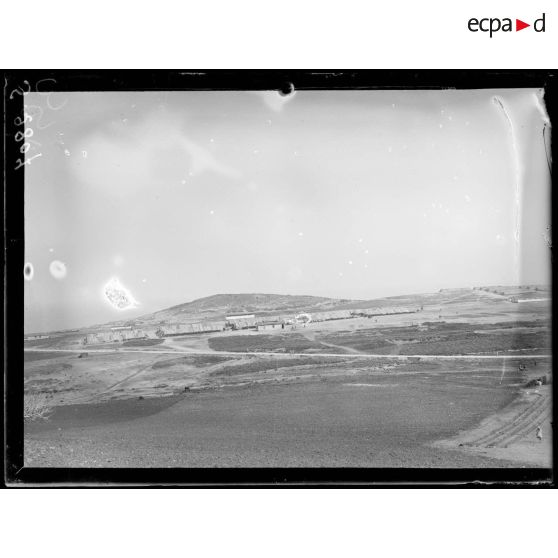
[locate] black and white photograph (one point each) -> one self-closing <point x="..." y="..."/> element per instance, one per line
<point x="288" y="278"/>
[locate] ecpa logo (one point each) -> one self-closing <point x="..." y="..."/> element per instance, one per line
<point x="494" y="24"/>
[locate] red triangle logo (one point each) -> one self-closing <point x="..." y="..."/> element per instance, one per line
<point x="519" y="25"/>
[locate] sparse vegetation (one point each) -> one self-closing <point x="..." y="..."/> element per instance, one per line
<point x="36" y="406"/>
<point x="31" y="357"/>
<point x="444" y="338"/>
<point x="290" y="342"/>
<point x="262" y="365"/>
<point x="142" y="342"/>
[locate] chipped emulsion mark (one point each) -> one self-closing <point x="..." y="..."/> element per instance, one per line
<point x="58" y="269"/>
<point x="28" y="271"/>
<point x="118" y="296"/>
<point x="276" y="100"/>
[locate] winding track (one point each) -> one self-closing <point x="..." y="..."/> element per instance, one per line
<point x="522" y="424"/>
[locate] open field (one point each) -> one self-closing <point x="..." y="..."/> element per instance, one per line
<point x="287" y="342"/>
<point x="438" y="338"/>
<point x="393" y="390"/>
<point x="376" y="412"/>
<point x="341" y="422"/>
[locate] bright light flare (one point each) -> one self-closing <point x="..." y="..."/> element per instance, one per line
<point x="118" y="296"/>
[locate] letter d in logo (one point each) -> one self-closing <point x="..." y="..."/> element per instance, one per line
<point x="539" y="24"/>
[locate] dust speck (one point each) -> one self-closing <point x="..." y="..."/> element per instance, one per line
<point x="58" y="269"/>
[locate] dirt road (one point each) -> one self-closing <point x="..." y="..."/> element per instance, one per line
<point x="333" y="355"/>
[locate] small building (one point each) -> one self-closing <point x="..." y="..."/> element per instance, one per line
<point x="180" y="329"/>
<point x="245" y="321"/>
<point x="265" y="326"/>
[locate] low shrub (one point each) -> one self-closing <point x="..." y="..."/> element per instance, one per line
<point x="36" y="406"/>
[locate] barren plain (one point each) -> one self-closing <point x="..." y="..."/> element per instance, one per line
<point x="462" y="380"/>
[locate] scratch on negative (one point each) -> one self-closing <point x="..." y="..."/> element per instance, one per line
<point x="498" y="102"/>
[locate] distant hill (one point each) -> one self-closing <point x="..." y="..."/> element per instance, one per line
<point x="217" y="307"/>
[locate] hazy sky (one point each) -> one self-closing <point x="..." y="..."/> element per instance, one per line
<point x="354" y="194"/>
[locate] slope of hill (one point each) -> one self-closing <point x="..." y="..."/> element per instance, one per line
<point x="216" y="307"/>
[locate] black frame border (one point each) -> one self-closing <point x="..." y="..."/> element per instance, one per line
<point x="15" y="475"/>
